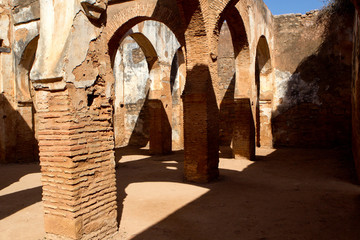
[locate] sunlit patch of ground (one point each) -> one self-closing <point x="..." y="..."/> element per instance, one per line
<point x="21" y="209"/>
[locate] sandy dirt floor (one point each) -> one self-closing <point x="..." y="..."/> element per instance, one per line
<point x="286" y="194"/>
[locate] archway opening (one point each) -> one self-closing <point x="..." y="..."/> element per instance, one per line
<point x="177" y="84"/>
<point x="226" y="86"/>
<point x="264" y="95"/>
<point x="27" y="149"/>
<point x="243" y="126"/>
<point x="147" y="89"/>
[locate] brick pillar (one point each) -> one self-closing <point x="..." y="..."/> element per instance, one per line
<point x="201" y="139"/>
<point x="243" y="143"/>
<point x="160" y="128"/>
<point x="77" y="164"/>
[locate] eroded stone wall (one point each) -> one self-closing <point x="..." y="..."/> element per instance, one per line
<point x="312" y="92"/>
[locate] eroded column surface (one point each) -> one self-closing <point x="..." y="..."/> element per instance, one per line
<point x="76" y="140"/>
<point x="77" y="164"/>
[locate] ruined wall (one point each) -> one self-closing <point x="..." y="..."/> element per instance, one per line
<point x="131" y="118"/>
<point x="313" y="81"/>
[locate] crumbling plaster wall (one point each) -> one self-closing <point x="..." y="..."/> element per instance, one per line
<point x="17" y="141"/>
<point x="312" y="87"/>
<point x="74" y="97"/>
<point x="135" y="84"/>
<point x="131" y="126"/>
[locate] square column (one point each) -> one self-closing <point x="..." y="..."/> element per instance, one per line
<point x="160" y="128"/>
<point x="243" y="143"/>
<point x="76" y="147"/>
<point x="201" y="138"/>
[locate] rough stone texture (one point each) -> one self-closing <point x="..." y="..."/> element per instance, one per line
<point x="77" y="163"/>
<point x="24" y="11"/>
<point x="312" y="89"/>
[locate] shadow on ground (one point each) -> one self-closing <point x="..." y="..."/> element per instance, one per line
<point x="288" y="194"/>
<point x="15" y="201"/>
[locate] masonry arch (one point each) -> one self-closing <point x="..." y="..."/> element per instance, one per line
<point x="147" y="109"/>
<point x="264" y="98"/>
<point x="177" y="84"/>
<point x="121" y="20"/>
<point x="26" y="127"/>
<point x="240" y="108"/>
<point x="133" y="63"/>
<point x="226" y="84"/>
<point x="23" y="70"/>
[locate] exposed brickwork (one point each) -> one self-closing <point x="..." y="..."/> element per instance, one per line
<point x="160" y="128"/>
<point x="77" y="164"/>
<point x="243" y="143"/>
<point x="201" y="114"/>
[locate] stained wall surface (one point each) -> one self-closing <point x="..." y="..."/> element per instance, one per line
<point x="312" y="90"/>
<point x="17" y="122"/>
<point x="136" y="83"/>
